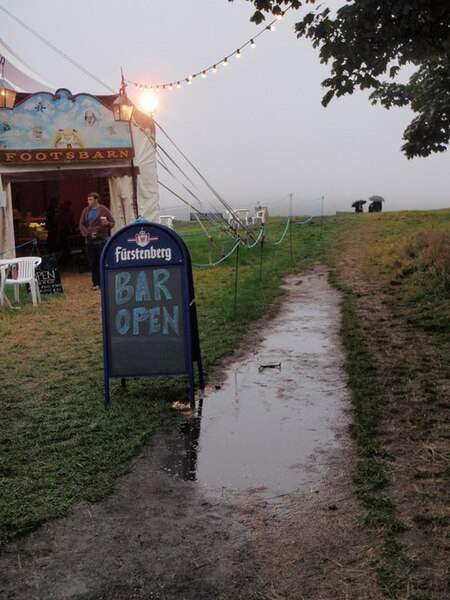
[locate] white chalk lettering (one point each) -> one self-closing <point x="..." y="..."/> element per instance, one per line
<point x="145" y="281"/>
<point x="142" y="320"/>
<point x="150" y="289"/>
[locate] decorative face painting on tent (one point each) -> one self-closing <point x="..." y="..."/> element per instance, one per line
<point x="65" y="122"/>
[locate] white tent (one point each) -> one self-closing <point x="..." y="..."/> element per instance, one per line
<point x="21" y="77"/>
<point x="132" y="177"/>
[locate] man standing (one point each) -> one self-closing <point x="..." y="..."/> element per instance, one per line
<point x="95" y="226"/>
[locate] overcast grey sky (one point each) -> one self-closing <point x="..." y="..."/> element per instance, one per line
<point x="256" y="129"/>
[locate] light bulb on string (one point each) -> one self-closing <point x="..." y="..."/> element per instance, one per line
<point x="213" y="68"/>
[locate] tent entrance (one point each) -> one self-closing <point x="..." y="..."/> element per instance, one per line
<point x="32" y="198"/>
<point x="32" y="192"/>
<point x="36" y="211"/>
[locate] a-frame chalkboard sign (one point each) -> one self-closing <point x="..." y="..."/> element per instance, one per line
<point x="148" y="306"/>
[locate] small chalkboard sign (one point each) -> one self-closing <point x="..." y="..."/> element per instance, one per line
<point x="148" y="305"/>
<point x="48" y="277"/>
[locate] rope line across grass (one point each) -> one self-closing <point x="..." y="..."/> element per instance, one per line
<point x="284" y="233"/>
<point x="258" y="239"/>
<point x="214" y="264"/>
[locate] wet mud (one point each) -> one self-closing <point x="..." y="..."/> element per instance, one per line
<point x="242" y="501"/>
<point x="278" y="410"/>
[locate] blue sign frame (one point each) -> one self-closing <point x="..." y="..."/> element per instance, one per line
<point x="149" y="315"/>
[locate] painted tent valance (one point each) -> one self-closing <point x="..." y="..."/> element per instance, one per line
<point x="61" y="128"/>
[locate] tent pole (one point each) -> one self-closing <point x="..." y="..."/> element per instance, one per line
<point x="134" y="183"/>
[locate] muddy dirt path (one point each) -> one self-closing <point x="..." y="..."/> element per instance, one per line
<point x="251" y="498"/>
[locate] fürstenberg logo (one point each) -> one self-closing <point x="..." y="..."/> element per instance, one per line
<point x="125" y="254"/>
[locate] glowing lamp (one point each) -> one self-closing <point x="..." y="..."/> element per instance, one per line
<point x="7" y="95"/>
<point x="122" y="107"/>
<point x="148" y="102"/>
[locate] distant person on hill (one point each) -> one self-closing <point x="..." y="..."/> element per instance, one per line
<point x="95" y="225"/>
<point x="375" y="206"/>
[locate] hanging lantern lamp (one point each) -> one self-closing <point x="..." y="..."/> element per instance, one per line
<point x="122" y="106"/>
<point x="7" y="94"/>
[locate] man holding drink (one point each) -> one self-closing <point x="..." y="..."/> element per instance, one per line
<point x="96" y="222"/>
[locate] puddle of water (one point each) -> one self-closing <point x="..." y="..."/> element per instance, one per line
<point x="277" y="412"/>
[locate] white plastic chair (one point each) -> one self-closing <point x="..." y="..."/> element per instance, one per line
<point x="166" y="220"/>
<point x="238" y="217"/>
<point x="23" y="270"/>
<point x="259" y="217"/>
<point x="3" y="297"/>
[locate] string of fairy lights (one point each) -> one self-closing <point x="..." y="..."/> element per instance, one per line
<point x="213" y="68"/>
<point x="178" y="83"/>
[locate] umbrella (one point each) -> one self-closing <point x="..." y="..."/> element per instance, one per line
<point x="358" y="203"/>
<point x="376" y="199"/>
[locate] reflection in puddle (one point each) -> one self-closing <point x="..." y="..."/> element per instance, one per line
<point x="278" y="411"/>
